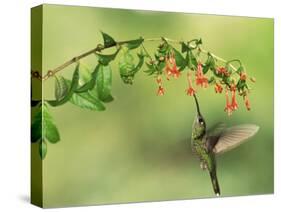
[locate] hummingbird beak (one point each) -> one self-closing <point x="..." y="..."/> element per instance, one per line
<point x="197" y="105"/>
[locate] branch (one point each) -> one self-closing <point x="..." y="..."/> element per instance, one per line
<point x="100" y="47"/>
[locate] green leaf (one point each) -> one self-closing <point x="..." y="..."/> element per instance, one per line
<point x="191" y="60"/>
<point x="209" y="64"/>
<point x="180" y="61"/>
<point x="87" y="101"/>
<point x="198" y="42"/>
<point x="42" y="149"/>
<point x="151" y="69"/>
<point x="88" y="86"/>
<point x="127" y="68"/>
<point x="109" y="98"/>
<point x="212" y="80"/>
<point x="104" y="82"/>
<point x="50" y="131"/>
<point x="161" y="65"/>
<point x="240" y="69"/>
<point x="126" y="64"/>
<point x="140" y="63"/>
<point x="149" y="72"/>
<point x="241" y="84"/>
<point x="108" y="40"/>
<point x="133" y="44"/>
<point x="164" y="49"/>
<point x="61" y="88"/>
<point x="226" y="80"/>
<point x="106" y="59"/>
<point x="36" y="126"/>
<point x="149" y="65"/>
<point x="206" y="68"/>
<point x="184" y="47"/>
<point x="72" y="87"/>
<point x="84" y="74"/>
<point x="42" y="129"/>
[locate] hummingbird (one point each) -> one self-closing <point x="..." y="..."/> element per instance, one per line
<point x="207" y="144"/>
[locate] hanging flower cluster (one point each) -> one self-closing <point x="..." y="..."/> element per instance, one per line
<point x="230" y="105"/>
<point x="171" y="67"/>
<point x="201" y="79"/>
<point x="225" y="78"/>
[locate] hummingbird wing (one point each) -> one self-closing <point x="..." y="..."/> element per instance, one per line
<point x="213" y="135"/>
<point x="217" y="129"/>
<point x="234" y="136"/>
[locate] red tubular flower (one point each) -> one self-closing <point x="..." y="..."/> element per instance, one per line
<point x="168" y="69"/>
<point x="228" y="107"/>
<point x="233" y="87"/>
<point x="222" y="70"/>
<point x="243" y="76"/>
<point x="171" y="67"/>
<point x="247" y="102"/>
<point x="159" y="79"/>
<point x="218" y="88"/>
<point x="200" y="78"/>
<point x="190" y="90"/>
<point x="160" y="91"/>
<point x="176" y="72"/>
<point x="234" y="103"/>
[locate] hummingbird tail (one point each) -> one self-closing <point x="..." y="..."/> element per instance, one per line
<point x="215" y="182"/>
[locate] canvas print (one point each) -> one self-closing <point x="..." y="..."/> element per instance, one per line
<point x="132" y="106"/>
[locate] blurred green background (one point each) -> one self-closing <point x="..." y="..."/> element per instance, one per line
<point x="139" y="148"/>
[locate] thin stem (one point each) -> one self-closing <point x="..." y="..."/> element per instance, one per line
<point x="192" y="40"/>
<point x="160" y="39"/>
<point x="147" y="52"/>
<point x="235" y="60"/>
<point x="218" y="58"/>
<point x="100" y="47"/>
<point x="151" y="59"/>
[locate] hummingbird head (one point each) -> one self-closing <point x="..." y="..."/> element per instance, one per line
<point x="199" y="124"/>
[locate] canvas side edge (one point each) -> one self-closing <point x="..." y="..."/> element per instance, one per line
<point x="36" y="190"/>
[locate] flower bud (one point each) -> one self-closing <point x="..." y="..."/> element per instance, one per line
<point x="253" y="79"/>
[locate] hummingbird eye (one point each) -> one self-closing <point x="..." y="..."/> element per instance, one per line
<point x="201" y="121"/>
